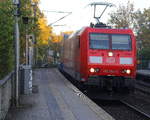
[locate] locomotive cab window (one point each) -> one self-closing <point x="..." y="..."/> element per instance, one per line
<point x="110" y="41"/>
<point x="121" y="42"/>
<point x="99" y="41"/>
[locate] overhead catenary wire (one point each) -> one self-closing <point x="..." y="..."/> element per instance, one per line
<point x="55" y="11"/>
<point x="63" y="12"/>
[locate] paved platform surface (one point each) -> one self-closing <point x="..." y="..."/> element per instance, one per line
<point x="56" y="99"/>
<point x="144" y="72"/>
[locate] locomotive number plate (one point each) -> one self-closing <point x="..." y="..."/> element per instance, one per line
<point x="110" y="60"/>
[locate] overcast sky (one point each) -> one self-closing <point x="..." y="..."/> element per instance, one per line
<point x="81" y="14"/>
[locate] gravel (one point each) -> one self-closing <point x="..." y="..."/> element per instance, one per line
<point x="119" y="111"/>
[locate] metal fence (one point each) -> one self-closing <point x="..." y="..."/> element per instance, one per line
<point x="6" y="94"/>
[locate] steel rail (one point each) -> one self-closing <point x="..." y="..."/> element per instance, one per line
<point x="145" y="84"/>
<point x="135" y="109"/>
<point x="142" y="87"/>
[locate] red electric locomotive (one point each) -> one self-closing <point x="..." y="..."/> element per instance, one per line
<point x="101" y="56"/>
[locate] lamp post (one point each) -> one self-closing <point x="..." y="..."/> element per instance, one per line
<point x="17" y="51"/>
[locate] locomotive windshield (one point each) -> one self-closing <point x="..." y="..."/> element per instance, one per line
<point x="110" y="41"/>
<point x="121" y="42"/>
<point x="99" y="41"/>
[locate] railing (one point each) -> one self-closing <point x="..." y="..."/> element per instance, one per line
<point x="6" y="94"/>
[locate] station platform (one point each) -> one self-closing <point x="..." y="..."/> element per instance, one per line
<point x="143" y="72"/>
<point x="55" y="98"/>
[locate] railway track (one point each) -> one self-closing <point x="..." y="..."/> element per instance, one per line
<point x="142" y="86"/>
<point x="120" y="110"/>
<point x="147" y="116"/>
<point x="146" y="84"/>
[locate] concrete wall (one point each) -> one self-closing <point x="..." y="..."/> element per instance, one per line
<point x="6" y="94"/>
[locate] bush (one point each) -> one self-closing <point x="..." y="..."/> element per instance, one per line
<point x="6" y="38"/>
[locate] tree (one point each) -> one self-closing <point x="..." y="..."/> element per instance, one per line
<point x="7" y="32"/>
<point x="123" y="16"/>
<point x="143" y="27"/>
<point x="45" y="31"/>
<point x="6" y="38"/>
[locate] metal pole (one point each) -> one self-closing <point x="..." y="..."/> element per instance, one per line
<point x="27" y="47"/>
<point x="17" y="55"/>
<point x="35" y="42"/>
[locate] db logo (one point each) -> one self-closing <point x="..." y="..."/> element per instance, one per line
<point x="110" y="60"/>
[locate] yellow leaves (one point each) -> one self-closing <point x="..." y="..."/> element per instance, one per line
<point x="45" y="31"/>
<point x="56" y="38"/>
<point x="35" y="1"/>
<point x="68" y="32"/>
<point x="46" y="36"/>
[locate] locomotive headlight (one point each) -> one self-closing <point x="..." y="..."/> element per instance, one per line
<point x="110" y="54"/>
<point x="92" y="70"/>
<point x="128" y="71"/>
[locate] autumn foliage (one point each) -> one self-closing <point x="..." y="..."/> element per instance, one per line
<point x="46" y="34"/>
<point x="45" y="31"/>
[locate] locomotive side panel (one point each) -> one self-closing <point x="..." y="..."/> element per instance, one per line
<point x="76" y="56"/>
<point x="71" y="56"/>
<point x="84" y="57"/>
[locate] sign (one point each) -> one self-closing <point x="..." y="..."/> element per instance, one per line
<point x="110" y="60"/>
<point x="16" y="2"/>
<point x="50" y="52"/>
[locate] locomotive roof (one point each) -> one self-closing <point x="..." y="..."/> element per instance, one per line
<point x="105" y="30"/>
